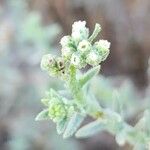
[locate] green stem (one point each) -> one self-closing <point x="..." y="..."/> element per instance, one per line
<point x="75" y="87"/>
<point x="79" y="95"/>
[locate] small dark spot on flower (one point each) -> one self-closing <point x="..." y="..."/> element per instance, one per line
<point x="60" y="64"/>
<point x="83" y="46"/>
<point x="63" y="72"/>
<point x="50" y="60"/>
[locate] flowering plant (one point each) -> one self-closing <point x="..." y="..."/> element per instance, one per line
<point x="69" y="107"/>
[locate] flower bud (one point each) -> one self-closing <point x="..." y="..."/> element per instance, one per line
<point x="79" y="31"/>
<point x="93" y="58"/>
<point x="67" y="52"/>
<point x="66" y="41"/>
<point x="60" y="63"/>
<point x="84" y="47"/>
<point x="57" y="110"/>
<point x="54" y="65"/>
<point x="48" y="61"/>
<point x="77" y="60"/>
<point x="102" y="47"/>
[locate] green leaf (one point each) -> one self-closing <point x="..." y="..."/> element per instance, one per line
<point x="45" y="101"/>
<point x="117" y="102"/>
<point x="90" y="129"/>
<point x="121" y="138"/>
<point x="43" y="115"/>
<point x="89" y="75"/>
<point x="92" y="104"/>
<point x="61" y="126"/>
<point x="73" y="124"/>
<point x="53" y="93"/>
<point x="143" y="123"/>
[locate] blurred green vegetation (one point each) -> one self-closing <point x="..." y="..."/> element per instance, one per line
<point x="23" y="41"/>
<point x="24" y="38"/>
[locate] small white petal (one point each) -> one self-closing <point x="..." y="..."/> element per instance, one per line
<point x="104" y="44"/>
<point x="65" y="41"/>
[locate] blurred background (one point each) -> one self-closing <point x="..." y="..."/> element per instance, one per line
<point x="31" y="28"/>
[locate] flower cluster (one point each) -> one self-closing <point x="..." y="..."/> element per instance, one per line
<point x="78" y="49"/>
<point x="59" y="108"/>
<point x="54" y="65"/>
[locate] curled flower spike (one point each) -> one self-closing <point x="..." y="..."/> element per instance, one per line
<point x="77" y="50"/>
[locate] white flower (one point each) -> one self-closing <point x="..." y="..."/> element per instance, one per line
<point x="66" y="52"/>
<point x="66" y="40"/>
<point x="78" y="26"/>
<point x="84" y="46"/>
<point x="93" y="58"/>
<point x="79" y="31"/>
<point x="104" y="44"/>
<point x="77" y="60"/>
<point x="47" y="61"/>
<point x="76" y="36"/>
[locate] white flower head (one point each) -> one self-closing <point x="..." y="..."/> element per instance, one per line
<point x="93" y="58"/>
<point x="77" y="60"/>
<point x="84" y="46"/>
<point x="78" y="26"/>
<point x="66" y="40"/>
<point x="47" y="61"/>
<point x="79" y="31"/>
<point x="104" y="44"/>
<point x="66" y="52"/>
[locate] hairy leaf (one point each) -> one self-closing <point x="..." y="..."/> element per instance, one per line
<point x="45" y="101"/>
<point x="89" y="75"/>
<point x="90" y="129"/>
<point x="43" y="115"/>
<point x="73" y="124"/>
<point x="61" y="126"/>
<point x="53" y="93"/>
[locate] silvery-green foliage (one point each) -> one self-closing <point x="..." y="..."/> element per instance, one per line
<point x="121" y="99"/>
<point x="90" y="129"/>
<point x="20" y="56"/>
<point x="68" y="112"/>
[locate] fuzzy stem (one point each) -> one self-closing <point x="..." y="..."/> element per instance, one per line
<point x="75" y="87"/>
<point x="96" y="31"/>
